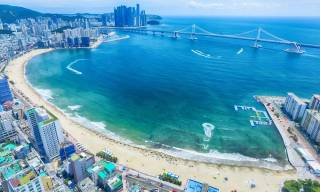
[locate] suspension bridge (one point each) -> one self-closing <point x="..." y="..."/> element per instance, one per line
<point x="257" y="36"/>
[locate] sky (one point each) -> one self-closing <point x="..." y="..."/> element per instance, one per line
<point x="180" y="7"/>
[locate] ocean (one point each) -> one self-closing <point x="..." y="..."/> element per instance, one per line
<point x="158" y="92"/>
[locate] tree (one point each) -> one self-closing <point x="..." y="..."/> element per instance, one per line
<point x="107" y="157"/>
<point x="292" y="186"/>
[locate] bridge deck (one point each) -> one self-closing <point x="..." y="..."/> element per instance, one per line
<point x="143" y="30"/>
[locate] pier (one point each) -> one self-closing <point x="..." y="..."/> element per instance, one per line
<point x="257" y="36"/>
<point x="281" y="121"/>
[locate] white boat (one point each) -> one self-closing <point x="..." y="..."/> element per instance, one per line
<point x="252" y="123"/>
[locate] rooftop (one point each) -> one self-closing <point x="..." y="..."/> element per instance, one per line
<point x="12" y="169"/>
<point x="23" y="178"/>
<point x="297" y="99"/>
<point x="195" y="186"/>
<point x="86" y="185"/>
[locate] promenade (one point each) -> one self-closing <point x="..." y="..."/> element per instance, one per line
<point x="282" y="123"/>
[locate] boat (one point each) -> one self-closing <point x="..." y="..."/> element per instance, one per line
<point x="252" y="123"/>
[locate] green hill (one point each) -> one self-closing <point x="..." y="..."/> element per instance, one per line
<point x="10" y="14"/>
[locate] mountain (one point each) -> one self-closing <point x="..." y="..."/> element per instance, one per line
<point x="9" y="14"/>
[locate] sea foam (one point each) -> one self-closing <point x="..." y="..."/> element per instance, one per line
<point x="74" y="107"/>
<point x="45" y="93"/>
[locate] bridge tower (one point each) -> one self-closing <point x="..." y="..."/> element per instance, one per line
<point x="193" y="32"/>
<point x="296" y="48"/>
<point x="256" y="42"/>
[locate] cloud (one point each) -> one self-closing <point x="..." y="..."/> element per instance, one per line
<point x="205" y="5"/>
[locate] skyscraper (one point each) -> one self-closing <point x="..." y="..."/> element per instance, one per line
<point x="315" y="102"/>
<point x="129" y="16"/>
<point x="295" y="106"/>
<point x="138" y="15"/>
<point x="46" y="132"/>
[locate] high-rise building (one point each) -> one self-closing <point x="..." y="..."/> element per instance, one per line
<point x="295" y="107"/>
<point x="46" y="132"/>
<point x="1" y="25"/>
<point x="315" y="102"/>
<point x="5" y="92"/>
<point x="7" y="127"/>
<point x="78" y="164"/>
<point x="311" y="124"/>
<point x="143" y="18"/>
<point x="138" y="15"/>
<point x="129" y="16"/>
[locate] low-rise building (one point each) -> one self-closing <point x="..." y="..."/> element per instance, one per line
<point x="103" y="174"/>
<point x="78" y="164"/>
<point x="86" y="185"/>
<point x="195" y="186"/>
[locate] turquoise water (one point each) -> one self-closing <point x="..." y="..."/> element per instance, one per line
<point x="156" y="90"/>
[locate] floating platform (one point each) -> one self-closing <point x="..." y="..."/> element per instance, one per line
<point x="243" y="107"/>
<point x="258" y="117"/>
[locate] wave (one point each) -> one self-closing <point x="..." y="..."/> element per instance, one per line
<point x="224" y="158"/>
<point x="45" y="93"/>
<point x="69" y="67"/>
<point x="74" y="107"/>
<point x="200" y="53"/>
<point x="117" y="38"/>
<point x="97" y="126"/>
<point x="240" y="51"/>
<point x="309" y="55"/>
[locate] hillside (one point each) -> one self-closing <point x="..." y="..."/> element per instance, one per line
<point x="9" y="14"/>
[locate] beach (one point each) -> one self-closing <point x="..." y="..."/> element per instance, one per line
<point x="145" y="160"/>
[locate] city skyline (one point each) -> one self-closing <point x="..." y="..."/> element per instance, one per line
<point x="180" y="7"/>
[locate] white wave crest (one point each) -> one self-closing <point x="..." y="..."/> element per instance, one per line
<point x="74" y="107"/>
<point x="69" y="67"/>
<point x="45" y="93"/>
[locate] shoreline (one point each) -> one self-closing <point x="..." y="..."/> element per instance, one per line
<point x="135" y="157"/>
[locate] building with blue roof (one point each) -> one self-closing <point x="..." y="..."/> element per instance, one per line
<point x="195" y="186"/>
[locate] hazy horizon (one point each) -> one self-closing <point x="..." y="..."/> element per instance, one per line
<point x="261" y="8"/>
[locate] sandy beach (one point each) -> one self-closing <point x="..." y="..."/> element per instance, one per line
<point x="225" y="177"/>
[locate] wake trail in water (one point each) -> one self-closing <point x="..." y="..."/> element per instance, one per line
<point x="201" y="54"/>
<point x="69" y="67"/>
<point x="313" y="56"/>
<point x="240" y="51"/>
<point x="117" y="38"/>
